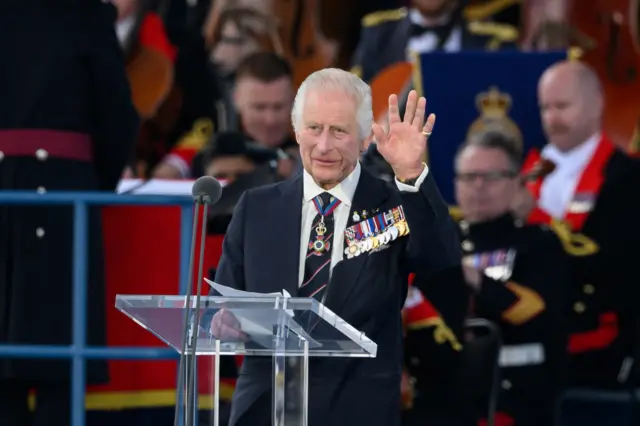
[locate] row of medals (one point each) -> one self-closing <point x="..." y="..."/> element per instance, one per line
<point x="356" y="248"/>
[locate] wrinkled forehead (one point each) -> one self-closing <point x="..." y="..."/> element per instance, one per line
<point x="331" y="105"/>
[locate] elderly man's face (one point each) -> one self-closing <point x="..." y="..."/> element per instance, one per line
<point x="329" y="139"/>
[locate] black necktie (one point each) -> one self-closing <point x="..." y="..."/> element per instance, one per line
<point x="318" y="261"/>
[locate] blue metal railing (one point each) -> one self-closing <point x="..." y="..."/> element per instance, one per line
<point x="78" y="351"/>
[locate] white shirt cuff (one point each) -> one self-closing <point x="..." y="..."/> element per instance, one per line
<point x="416" y="187"/>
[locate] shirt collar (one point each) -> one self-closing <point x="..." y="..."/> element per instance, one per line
<point x="343" y="191"/>
<point x="575" y="158"/>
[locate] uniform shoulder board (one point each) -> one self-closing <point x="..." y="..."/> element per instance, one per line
<point x="376" y="18"/>
<point x="502" y="32"/>
<point x="487" y="9"/>
<point x="574" y="244"/>
<point x="455" y="213"/>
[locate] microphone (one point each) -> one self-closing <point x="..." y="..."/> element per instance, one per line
<point x="206" y="191"/>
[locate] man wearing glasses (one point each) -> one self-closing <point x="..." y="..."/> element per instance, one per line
<point x="518" y="280"/>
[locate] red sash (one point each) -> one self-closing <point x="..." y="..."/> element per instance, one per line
<point x="586" y="191"/>
<point x="417" y="310"/>
<point x="584" y="197"/>
<point x="589" y="185"/>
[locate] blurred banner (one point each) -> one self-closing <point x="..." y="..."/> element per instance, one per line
<point x="475" y="91"/>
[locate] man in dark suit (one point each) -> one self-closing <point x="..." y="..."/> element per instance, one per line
<point x="66" y="124"/>
<point x="270" y="246"/>
<point x="592" y="189"/>
<point x="429" y="25"/>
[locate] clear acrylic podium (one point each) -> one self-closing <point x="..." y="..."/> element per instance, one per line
<point x="290" y="330"/>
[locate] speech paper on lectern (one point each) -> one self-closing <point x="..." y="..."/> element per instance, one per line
<point x="259" y="323"/>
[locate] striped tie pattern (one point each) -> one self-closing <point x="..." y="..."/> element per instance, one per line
<point x="318" y="261"/>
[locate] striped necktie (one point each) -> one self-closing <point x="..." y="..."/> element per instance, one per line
<point x="318" y="261"/>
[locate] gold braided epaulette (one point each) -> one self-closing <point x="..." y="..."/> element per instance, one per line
<point x="502" y="32"/>
<point x="456" y="213"/>
<point x="574" y="244"/>
<point x="485" y="10"/>
<point x="376" y="18"/>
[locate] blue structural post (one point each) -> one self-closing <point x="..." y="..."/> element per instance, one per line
<point x="186" y="223"/>
<point x="80" y="260"/>
<point x="78" y="352"/>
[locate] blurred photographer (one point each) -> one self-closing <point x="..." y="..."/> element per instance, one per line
<point x="240" y="164"/>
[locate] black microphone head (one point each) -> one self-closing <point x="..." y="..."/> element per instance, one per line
<point x="206" y="190"/>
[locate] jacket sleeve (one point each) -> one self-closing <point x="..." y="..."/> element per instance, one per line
<point x="230" y="270"/>
<point x="440" y="300"/>
<point x="434" y="315"/>
<point x="116" y="120"/>
<point x="535" y="297"/>
<point x="433" y="237"/>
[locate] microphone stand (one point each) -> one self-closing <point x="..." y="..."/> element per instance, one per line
<point x="188" y="361"/>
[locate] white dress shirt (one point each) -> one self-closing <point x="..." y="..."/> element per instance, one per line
<point x="344" y="192"/>
<point x="428" y="42"/>
<point x="558" y="188"/>
<point x="124" y="28"/>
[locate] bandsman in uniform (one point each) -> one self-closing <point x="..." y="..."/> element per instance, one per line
<point x="66" y="124"/>
<point x="388" y="36"/>
<point x="519" y="278"/>
<point x="593" y="189"/>
<point x="433" y="346"/>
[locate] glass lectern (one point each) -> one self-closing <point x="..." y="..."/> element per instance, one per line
<point x="290" y="330"/>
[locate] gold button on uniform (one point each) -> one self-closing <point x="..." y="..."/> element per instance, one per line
<point x="589" y="289"/>
<point x="42" y="154"/>
<point x="579" y="307"/>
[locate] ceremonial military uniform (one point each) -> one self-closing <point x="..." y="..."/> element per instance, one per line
<point x="523" y="291"/>
<point x="433" y="318"/>
<point x="604" y="211"/>
<point x="66" y="124"/>
<point x="385" y="38"/>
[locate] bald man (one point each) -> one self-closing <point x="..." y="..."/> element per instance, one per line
<point x="593" y="188"/>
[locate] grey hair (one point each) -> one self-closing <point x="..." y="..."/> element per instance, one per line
<point x="495" y="139"/>
<point x="344" y="81"/>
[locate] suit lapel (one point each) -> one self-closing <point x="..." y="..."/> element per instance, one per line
<point x="287" y="230"/>
<point x="370" y="195"/>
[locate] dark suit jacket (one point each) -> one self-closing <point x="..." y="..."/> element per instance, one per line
<point x="261" y="254"/>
